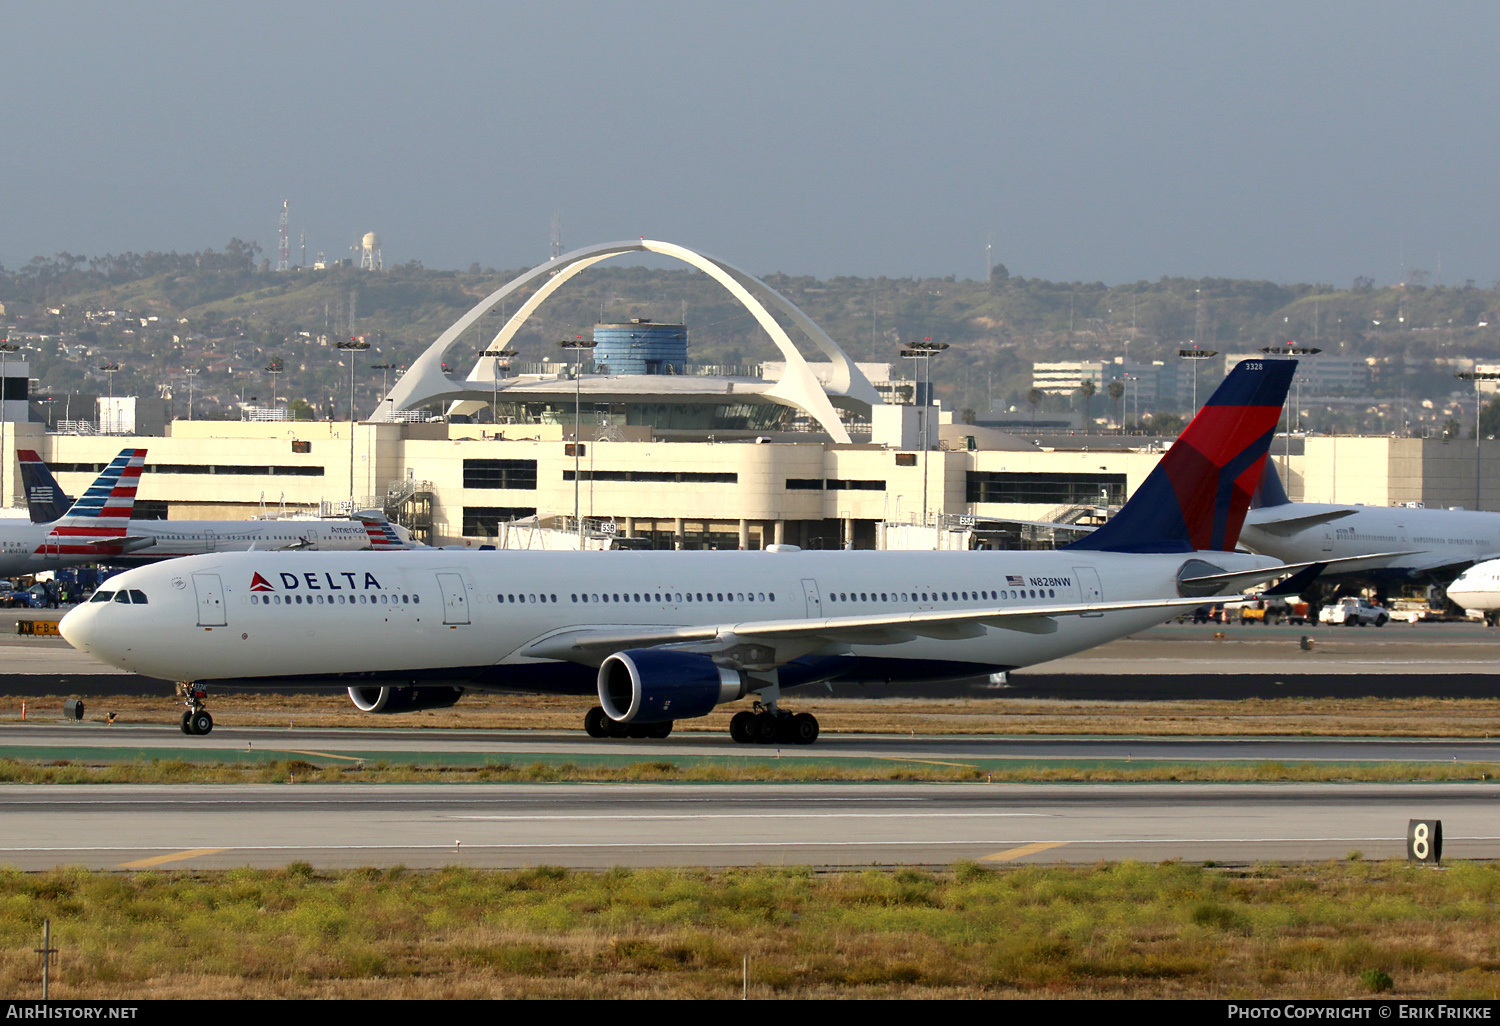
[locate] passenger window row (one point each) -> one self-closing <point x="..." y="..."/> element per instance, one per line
<point x="330" y="600"/>
<point x="678" y="596"/>
<point x="942" y="596"/>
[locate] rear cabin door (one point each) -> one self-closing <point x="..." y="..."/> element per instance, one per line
<point x="1089" y="589"/>
<point x="210" y="591"/>
<point x="455" y="598"/>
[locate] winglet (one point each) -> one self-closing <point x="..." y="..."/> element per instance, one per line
<point x="1198" y="495"/>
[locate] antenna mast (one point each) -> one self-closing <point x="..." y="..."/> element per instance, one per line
<point x="284" y="256"/>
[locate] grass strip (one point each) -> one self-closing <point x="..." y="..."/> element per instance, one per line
<point x="1329" y="930"/>
<point x="313" y="770"/>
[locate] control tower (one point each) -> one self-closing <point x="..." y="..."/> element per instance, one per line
<point x="641" y="346"/>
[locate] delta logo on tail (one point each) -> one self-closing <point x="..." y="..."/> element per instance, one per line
<point x="1198" y="495"/>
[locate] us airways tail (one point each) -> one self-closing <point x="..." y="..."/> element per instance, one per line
<point x="98" y="523"/>
<point x="44" y="496"/>
<point x="1198" y="495"/>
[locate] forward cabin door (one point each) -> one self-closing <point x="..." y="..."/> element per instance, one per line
<point x="210" y="591"/>
<point x="455" y="598"/>
<point x="1089" y="589"/>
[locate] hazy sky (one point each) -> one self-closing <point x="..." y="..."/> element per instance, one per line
<point x="1114" y="141"/>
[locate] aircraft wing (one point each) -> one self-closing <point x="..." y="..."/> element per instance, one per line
<point x="592" y="645"/>
<point x="128" y="543"/>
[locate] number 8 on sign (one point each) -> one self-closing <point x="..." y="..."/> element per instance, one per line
<point x="1424" y="840"/>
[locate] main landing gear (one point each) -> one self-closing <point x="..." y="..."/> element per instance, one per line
<point x="767" y="725"/>
<point x="196" y="721"/>
<point x="597" y="724"/>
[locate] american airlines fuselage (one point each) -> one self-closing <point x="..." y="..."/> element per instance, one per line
<point x="545" y="621"/>
<point x="27" y="548"/>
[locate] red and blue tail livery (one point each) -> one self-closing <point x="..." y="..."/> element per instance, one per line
<point x="1197" y="496"/>
<point x="102" y="514"/>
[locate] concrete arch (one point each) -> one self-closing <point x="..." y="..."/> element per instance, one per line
<point x="424" y="382"/>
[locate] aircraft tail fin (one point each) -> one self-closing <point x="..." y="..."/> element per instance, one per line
<point x="44" y="496"/>
<point x="1197" y="496"/>
<point x="384" y="535"/>
<point x="1270" y="492"/>
<point x="103" y="511"/>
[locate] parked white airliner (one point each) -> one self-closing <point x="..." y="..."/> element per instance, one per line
<point x="97" y="527"/>
<point x="1478" y="588"/>
<point x="661" y="636"/>
<point x="1427" y="546"/>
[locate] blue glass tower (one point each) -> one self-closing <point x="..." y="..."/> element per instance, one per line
<point x="641" y="347"/>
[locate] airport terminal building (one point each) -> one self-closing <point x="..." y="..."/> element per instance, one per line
<point x="820" y="455"/>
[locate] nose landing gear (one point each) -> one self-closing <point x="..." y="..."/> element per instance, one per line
<point x="196" y="721"/>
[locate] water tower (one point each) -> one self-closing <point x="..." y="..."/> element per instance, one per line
<point x="369" y="252"/>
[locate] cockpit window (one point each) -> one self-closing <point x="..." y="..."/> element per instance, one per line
<point x="137" y="596"/>
<point x="102" y="596"/>
<point x="122" y="597"/>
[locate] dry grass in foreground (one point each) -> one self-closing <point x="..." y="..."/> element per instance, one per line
<point x="1331" y="930"/>
<point x="1353" y="717"/>
<point x="301" y="771"/>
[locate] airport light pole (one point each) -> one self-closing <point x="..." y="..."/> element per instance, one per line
<point x="192" y="376"/>
<point x="274" y="368"/>
<point x="924" y="351"/>
<point x="1477" y="377"/>
<point x="497" y="355"/>
<point x="1193" y="355"/>
<point x="353" y="346"/>
<point x="109" y="369"/>
<point x="6" y="348"/>
<point x="578" y="346"/>
<point x="1291" y="349"/>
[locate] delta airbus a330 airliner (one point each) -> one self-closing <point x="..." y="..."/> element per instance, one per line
<point x="661" y="636"/>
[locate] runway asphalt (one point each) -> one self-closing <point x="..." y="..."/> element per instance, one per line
<point x="597" y="826"/>
<point x="593" y="825"/>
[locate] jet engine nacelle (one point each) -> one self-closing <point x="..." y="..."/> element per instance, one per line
<point x="647" y="685"/>
<point x="407" y="699"/>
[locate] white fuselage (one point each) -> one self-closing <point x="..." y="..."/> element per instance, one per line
<point x="1477" y="587"/>
<point x="315" y="615"/>
<point x="26" y="548"/>
<point x="1433" y="538"/>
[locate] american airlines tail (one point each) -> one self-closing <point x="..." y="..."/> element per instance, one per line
<point x="44" y="496"/>
<point x="99" y="521"/>
<point x="1197" y="496"/>
<point x="384" y="536"/>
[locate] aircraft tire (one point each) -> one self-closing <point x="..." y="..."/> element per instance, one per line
<point x="803" y="728"/>
<point x="765" y="728"/>
<point x="617" y="729"/>
<point x="660" y="730"/>
<point x="187" y="723"/>
<point x="741" y="727"/>
<point x="202" y="724"/>
<point x="596" y="723"/>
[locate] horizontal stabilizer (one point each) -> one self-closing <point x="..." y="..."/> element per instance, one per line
<point x="1245" y="578"/>
<point x="1288" y="526"/>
